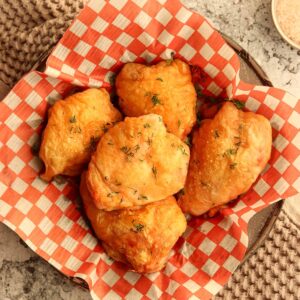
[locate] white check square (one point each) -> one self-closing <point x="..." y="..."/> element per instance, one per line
<point x="48" y="246"/>
<point x="4" y="207"/>
<point x="78" y="28"/>
<point x="16" y="165"/>
<point x="14" y="100"/>
<point x="142" y="19"/>
<point x="34" y="99"/>
<point x="165" y="38"/>
<point x="82" y="48"/>
<point x="187" y="51"/>
<point x="33" y="79"/>
<point x="121" y="21"/>
<point x="99" y="24"/>
<point x="281" y="186"/>
<point x="252" y="104"/>
<point x="210" y="267"/>
<point x="163" y="16"/>
<point x="124" y="39"/>
<point x="86" y="67"/>
<point x="103" y="43"/>
<point x="23" y="205"/>
<point x="183" y="15"/>
<point x="207" y="246"/>
<point x="46" y="225"/>
<point x="19" y="185"/>
<point x="261" y="187"/>
<point x="205" y="30"/>
<point x="13" y="122"/>
<point x="73" y="263"/>
<point x="27" y="226"/>
<point x="110" y="277"/>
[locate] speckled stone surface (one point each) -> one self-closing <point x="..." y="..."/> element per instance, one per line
<point x="23" y="275"/>
<point x="249" y="22"/>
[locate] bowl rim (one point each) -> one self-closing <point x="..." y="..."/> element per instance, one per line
<point x="283" y="35"/>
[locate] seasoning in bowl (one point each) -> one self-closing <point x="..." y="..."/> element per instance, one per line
<point x="288" y="17"/>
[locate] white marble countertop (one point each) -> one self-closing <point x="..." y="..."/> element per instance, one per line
<point x="23" y="275"/>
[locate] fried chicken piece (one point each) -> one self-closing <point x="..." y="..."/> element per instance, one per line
<point x="137" y="162"/>
<point x="143" y="237"/>
<point x="165" y="89"/>
<point x="228" y="154"/>
<point x="74" y="128"/>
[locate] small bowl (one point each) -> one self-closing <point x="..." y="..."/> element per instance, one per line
<point x="276" y="22"/>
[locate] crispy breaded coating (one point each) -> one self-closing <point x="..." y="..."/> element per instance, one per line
<point x="165" y="89"/>
<point x="74" y="128"/>
<point x="143" y="237"/>
<point x="137" y="162"/>
<point x="228" y="154"/>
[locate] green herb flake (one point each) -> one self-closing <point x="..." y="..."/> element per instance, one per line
<point x="147" y="125"/>
<point x="229" y="152"/>
<point x="154" y="171"/>
<point x="112" y="194"/>
<point x="155" y="100"/>
<point x="179" y="123"/>
<point x="232" y="166"/>
<point x="216" y="134"/>
<point x="159" y="79"/>
<point x="75" y="129"/>
<point x="105" y="127"/>
<point x="181" y="148"/>
<point x="126" y="150"/>
<point x="142" y="197"/>
<point x="138" y="227"/>
<point x="149" y="141"/>
<point x="238" y="104"/>
<point x="133" y="190"/>
<point x="130" y="152"/>
<point x="73" y="119"/>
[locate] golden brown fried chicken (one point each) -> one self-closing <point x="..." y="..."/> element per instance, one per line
<point x="137" y="162"/>
<point x="74" y="127"/>
<point x="165" y="89"/>
<point x="143" y="237"/>
<point x="228" y="154"/>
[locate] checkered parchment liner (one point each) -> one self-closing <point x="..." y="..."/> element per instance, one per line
<point x="106" y="35"/>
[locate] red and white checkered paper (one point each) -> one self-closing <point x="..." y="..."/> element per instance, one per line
<point x="104" y="36"/>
